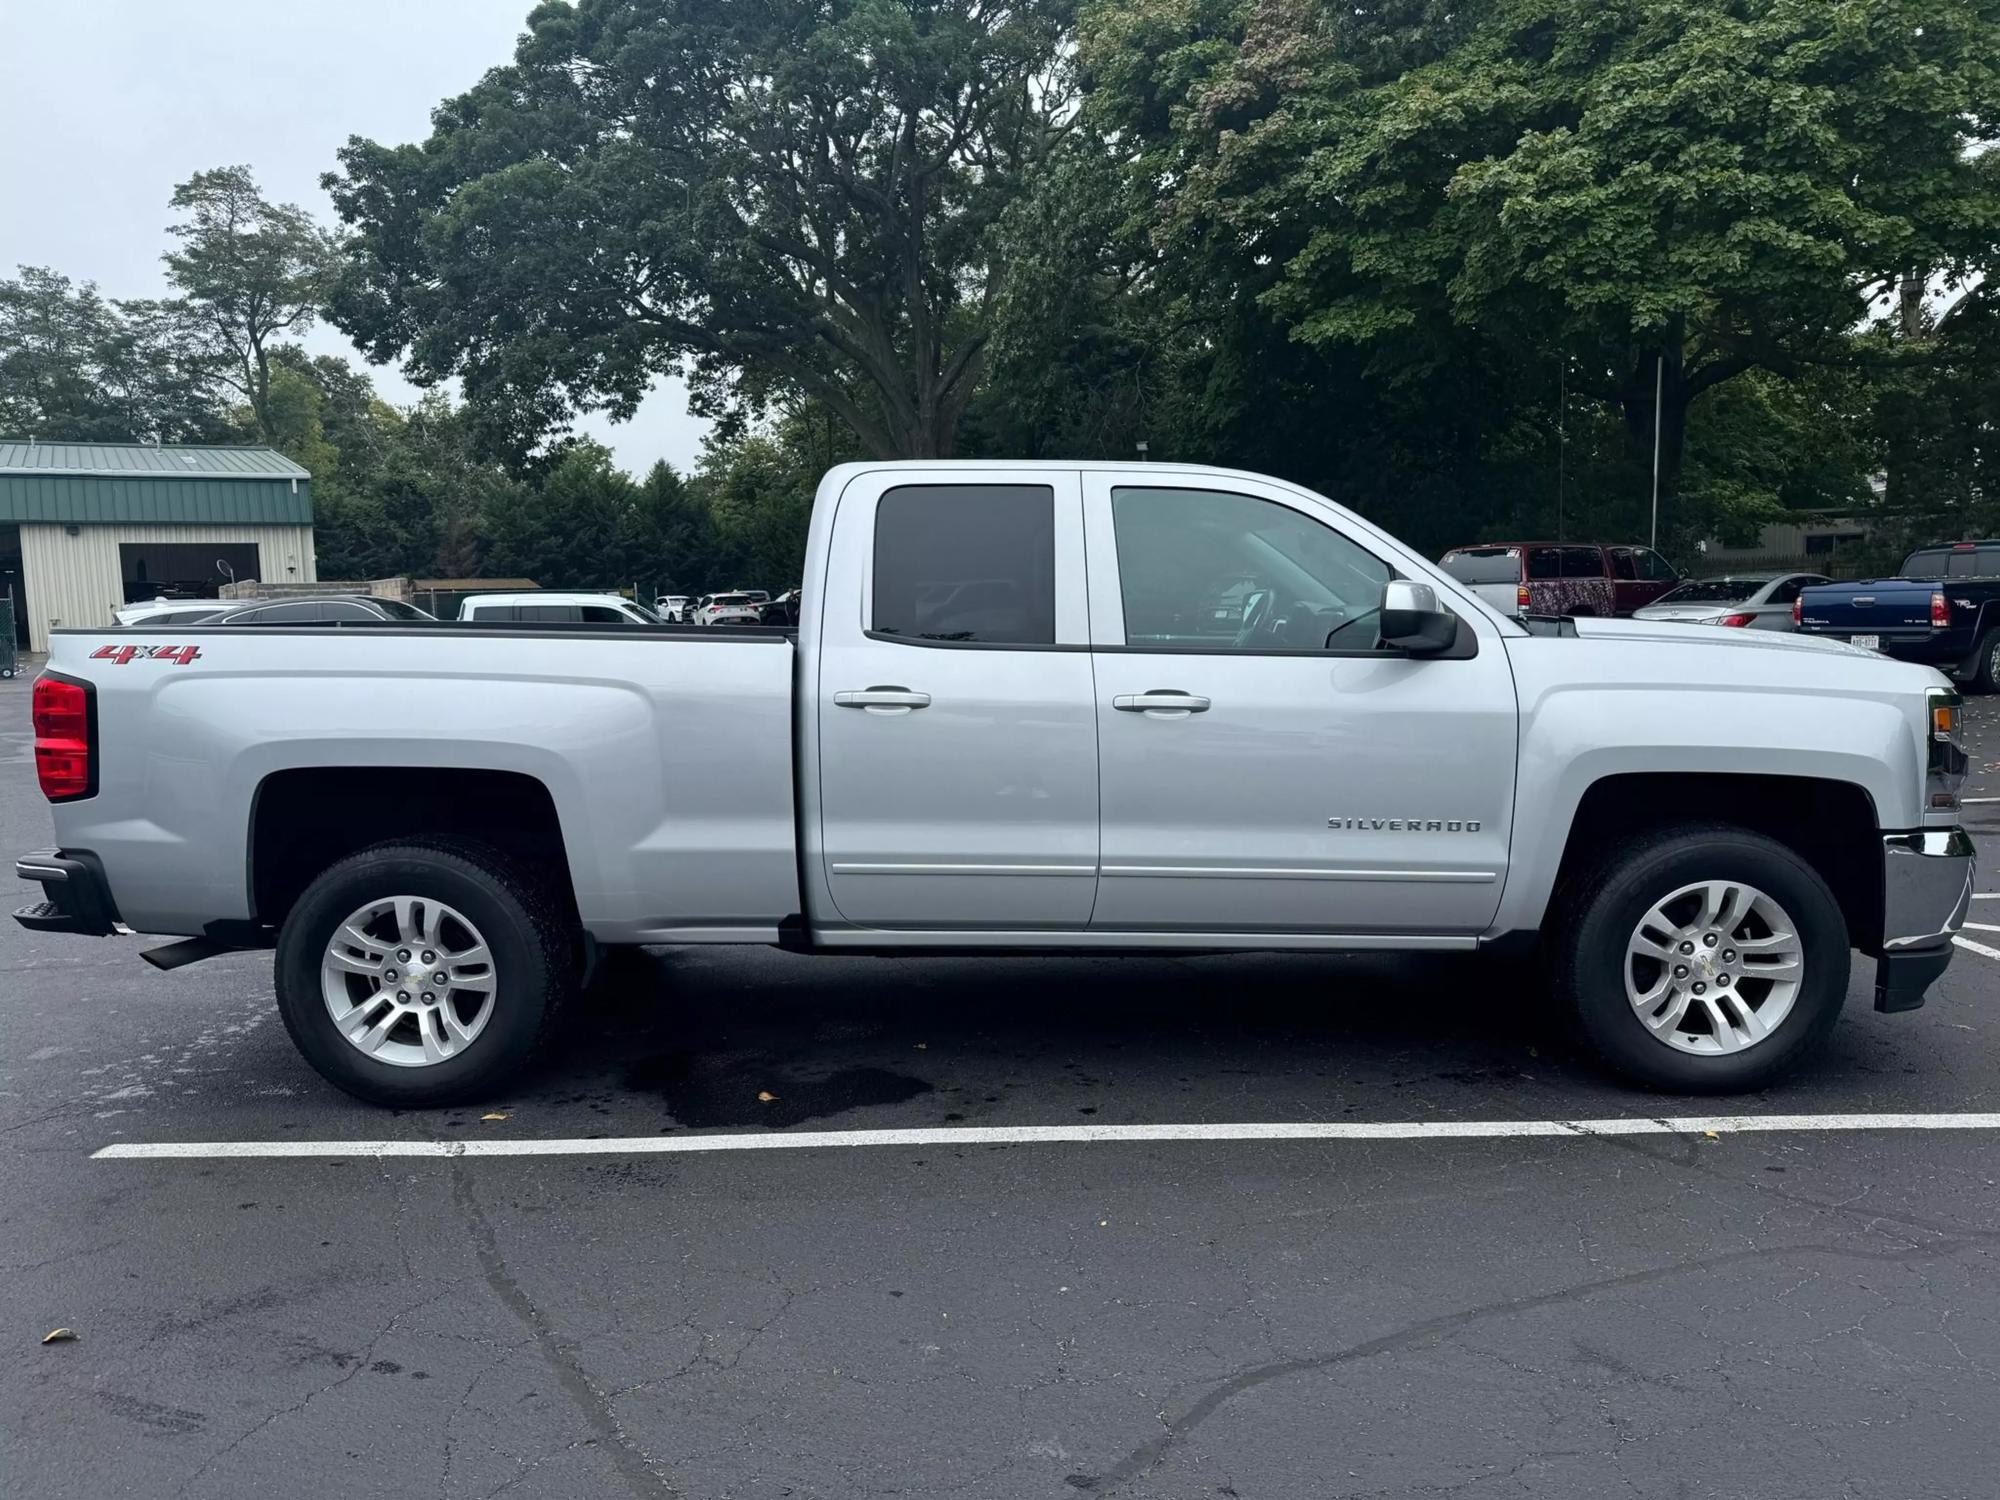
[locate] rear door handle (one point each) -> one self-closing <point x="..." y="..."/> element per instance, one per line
<point x="1164" y="702"/>
<point x="894" y="699"/>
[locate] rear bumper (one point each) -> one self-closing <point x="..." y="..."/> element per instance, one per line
<point x="1926" y="892"/>
<point x="75" y="897"/>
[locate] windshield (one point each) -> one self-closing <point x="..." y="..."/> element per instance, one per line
<point x="1714" y="591"/>
<point x="1485" y="565"/>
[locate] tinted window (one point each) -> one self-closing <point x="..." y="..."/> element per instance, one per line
<point x="1622" y="565"/>
<point x="396" y="609"/>
<point x="1930" y="564"/>
<point x="1545" y="562"/>
<point x="603" y="614"/>
<point x="1582" y="562"/>
<point x="966" y="563"/>
<point x="1714" y="591"/>
<point x="1485" y="565"/>
<point x="1202" y="568"/>
<point x="342" y="609"/>
<point x="1786" y="591"/>
<point x="549" y="614"/>
<point x="1653" y="566"/>
<point x="304" y="612"/>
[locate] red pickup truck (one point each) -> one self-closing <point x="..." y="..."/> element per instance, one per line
<point x="1562" y="578"/>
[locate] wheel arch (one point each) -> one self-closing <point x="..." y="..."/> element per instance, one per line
<point x="305" y="818"/>
<point x="1830" y="823"/>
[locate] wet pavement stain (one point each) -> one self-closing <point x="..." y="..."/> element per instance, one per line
<point x="701" y="1094"/>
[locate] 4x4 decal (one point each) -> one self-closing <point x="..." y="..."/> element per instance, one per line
<point x="119" y="655"/>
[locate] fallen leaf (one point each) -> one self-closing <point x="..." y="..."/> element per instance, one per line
<point x="765" y="1096"/>
<point x="1711" y="1135"/>
<point x="923" y="1046"/>
<point x="59" y="1336"/>
<point x="496" y="1115"/>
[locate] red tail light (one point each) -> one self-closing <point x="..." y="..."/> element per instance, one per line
<point x="65" y="757"/>
<point x="1521" y="598"/>
<point x="1799" y="610"/>
<point x="1940" y="613"/>
<point x="1735" y="619"/>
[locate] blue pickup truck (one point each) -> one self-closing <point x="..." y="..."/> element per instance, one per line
<point x="1942" y="609"/>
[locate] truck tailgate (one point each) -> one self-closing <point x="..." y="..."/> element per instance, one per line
<point x="1887" y="608"/>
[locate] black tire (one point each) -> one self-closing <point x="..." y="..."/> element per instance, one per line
<point x="1984" y="677"/>
<point x="1602" y="906"/>
<point x="526" y="926"/>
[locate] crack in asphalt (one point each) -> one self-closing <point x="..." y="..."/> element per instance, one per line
<point x="1143" y="1459"/>
<point x="560" y="1353"/>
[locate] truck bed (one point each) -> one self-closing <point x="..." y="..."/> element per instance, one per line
<point x="698" y="845"/>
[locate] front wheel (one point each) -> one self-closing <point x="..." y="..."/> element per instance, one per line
<point x="424" y="973"/>
<point x="1704" y="960"/>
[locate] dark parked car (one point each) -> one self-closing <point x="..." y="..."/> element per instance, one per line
<point x="783" y="610"/>
<point x="1942" y="609"/>
<point x="1562" y="578"/>
<point x="327" y="609"/>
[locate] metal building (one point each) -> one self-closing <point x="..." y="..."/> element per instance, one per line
<point x="86" y="527"/>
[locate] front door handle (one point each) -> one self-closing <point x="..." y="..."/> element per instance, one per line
<point x="890" y="700"/>
<point x="1166" y="703"/>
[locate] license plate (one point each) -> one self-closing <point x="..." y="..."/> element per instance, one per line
<point x="1866" y="642"/>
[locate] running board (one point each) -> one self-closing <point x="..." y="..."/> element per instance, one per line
<point x="220" y="939"/>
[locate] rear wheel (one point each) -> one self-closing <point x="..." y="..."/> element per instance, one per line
<point x="424" y="973"/>
<point x="1707" y="959"/>
<point x="1986" y="663"/>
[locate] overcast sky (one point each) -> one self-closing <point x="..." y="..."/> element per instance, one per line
<point x="106" y="104"/>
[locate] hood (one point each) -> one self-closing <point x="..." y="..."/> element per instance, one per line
<point x="1708" y="635"/>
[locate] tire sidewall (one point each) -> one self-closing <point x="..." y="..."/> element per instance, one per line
<point x="503" y="1045"/>
<point x="1597" y="961"/>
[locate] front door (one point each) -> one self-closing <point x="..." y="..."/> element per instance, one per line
<point x="956" y="720"/>
<point x="1266" y="765"/>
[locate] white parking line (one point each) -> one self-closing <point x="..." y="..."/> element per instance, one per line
<point x="1982" y="927"/>
<point x="1047" y="1135"/>
<point x="1980" y="948"/>
<point x="1986" y="896"/>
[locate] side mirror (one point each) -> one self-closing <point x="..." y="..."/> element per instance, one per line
<point x="1412" y="621"/>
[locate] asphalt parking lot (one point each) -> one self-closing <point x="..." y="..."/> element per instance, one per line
<point x="1792" y="1313"/>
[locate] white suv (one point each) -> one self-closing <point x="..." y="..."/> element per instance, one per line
<point x="550" y="608"/>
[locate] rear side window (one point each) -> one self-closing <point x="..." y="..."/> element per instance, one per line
<point x="973" y="563"/>
<point x="1582" y="562"/>
<point x="549" y="614"/>
<point x="282" y="614"/>
<point x="1484" y="565"/>
<point x="1545" y="562"/>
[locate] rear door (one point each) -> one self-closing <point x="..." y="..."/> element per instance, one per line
<point x="1586" y="582"/>
<point x="955" y="712"/>
<point x="1266" y="765"/>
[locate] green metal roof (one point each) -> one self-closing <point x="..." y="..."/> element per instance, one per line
<point x="138" y="484"/>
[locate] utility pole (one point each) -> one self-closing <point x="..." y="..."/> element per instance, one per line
<point x="1659" y="391"/>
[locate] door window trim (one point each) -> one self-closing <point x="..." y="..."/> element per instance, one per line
<point x="852" y="553"/>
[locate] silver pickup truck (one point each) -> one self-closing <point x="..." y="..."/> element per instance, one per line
<point x="1028" y="707"/>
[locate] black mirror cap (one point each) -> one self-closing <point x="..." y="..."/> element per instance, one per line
<point x="1419" y="632"/>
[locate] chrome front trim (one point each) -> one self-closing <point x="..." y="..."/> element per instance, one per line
<point x="847" y="868"/>
<point x="1927" y="879"/>
<point x="1237" y="872"/>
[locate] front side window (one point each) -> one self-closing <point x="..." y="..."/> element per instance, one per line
<point x="1209" y="570"/>
<point x="1653" y="566"/>
<point x="971" y="564"/>
<point x="604" y="614"/>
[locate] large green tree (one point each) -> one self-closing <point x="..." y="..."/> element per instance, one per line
<point x="75" y="366"/>
<point x="247" y="275"/>
<point x="784" y="197"/>
<point x="1670" y="193"/>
